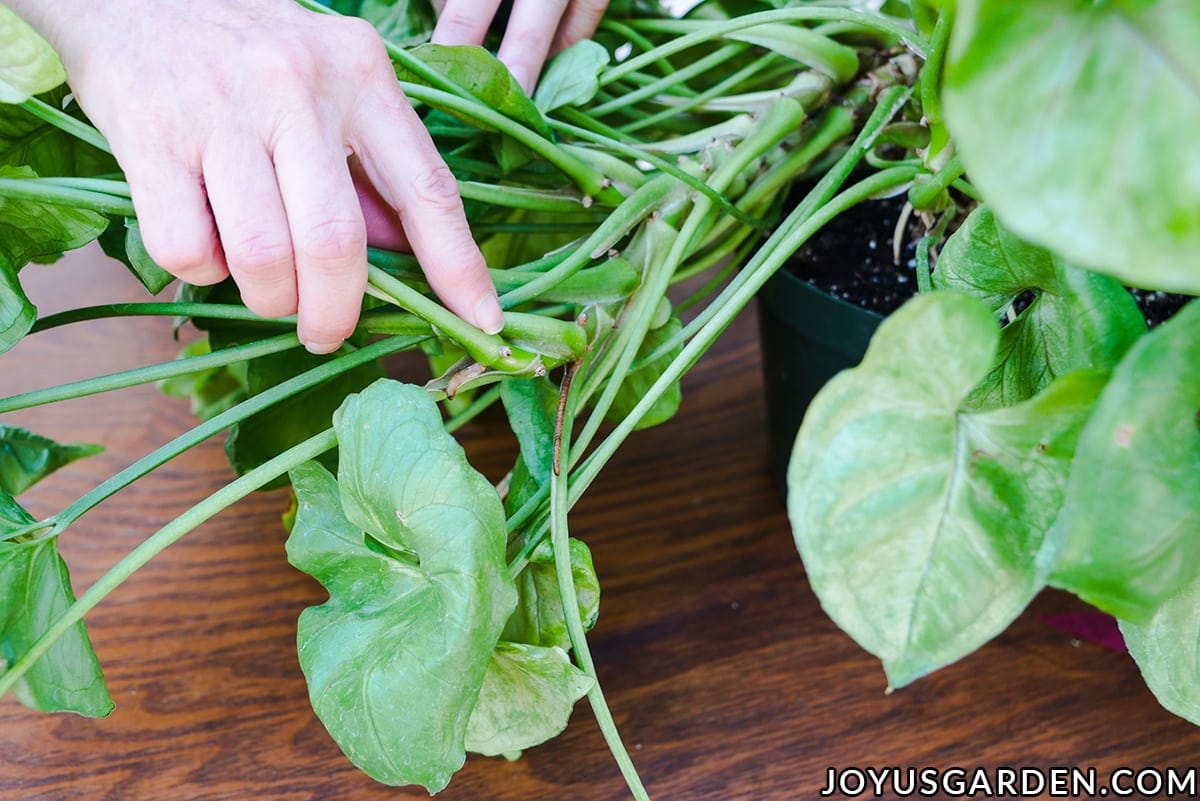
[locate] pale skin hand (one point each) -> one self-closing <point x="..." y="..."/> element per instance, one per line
<point x="536" y="29"/>
<point x="266" y="142"/>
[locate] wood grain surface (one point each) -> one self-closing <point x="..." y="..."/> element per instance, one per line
<point x="725" y="677"/>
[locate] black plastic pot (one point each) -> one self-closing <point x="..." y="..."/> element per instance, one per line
<point x="808" y="336"/>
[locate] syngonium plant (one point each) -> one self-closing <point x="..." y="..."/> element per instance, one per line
<point x="1063" y="448"/>
<point x="658" y="152"/>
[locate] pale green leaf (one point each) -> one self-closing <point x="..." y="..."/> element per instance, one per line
<point x="526" y="699"/>
<point x="539" y="618"/>
<point x="26" y="458"/>
<point x="1167" y="651"/>
<point x="35" y="590"/>
<point x="1075" y="120"/>
<point x="409" y="542"/>
<point x="28" y="64"/>
<point x="919" y="522"/>
<point x="1076" y="320"/>
<point x="572" y="78"/>
<point x="1133" y="507"/>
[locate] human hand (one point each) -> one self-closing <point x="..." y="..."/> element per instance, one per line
<point x="536" y="29"/>
<point x="234" y="121"/>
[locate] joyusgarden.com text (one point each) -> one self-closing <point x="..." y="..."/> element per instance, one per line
<point x="1005" y="782"/>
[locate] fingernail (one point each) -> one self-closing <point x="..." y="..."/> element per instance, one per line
<point x="321" y="348"/>
<point x="488" y="316"/>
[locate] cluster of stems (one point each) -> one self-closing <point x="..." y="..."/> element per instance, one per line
<point x="666" y="175"/>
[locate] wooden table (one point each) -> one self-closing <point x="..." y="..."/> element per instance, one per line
<point x="726" y="679"/>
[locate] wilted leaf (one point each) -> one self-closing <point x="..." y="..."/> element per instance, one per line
<point x="526" y="699"/>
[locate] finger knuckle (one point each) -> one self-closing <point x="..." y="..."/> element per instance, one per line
<point x="363" y="50"/>
<point x="335" y="240"/>
<point x="283" y="64"/>
<point x="436" y="187"/>
<point x="263" y="257"/>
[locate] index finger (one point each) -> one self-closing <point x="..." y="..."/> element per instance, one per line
<point x="401" y="161"/>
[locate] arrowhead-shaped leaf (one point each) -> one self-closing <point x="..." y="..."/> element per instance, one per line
<point x="919" y="521"/>
<point x="409" y="542"/>
<point x="1075" y="121"/>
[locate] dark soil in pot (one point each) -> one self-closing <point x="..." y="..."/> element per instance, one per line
<point x="818" y="313"/>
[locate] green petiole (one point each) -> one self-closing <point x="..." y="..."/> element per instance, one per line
<point x="154" y="372"/>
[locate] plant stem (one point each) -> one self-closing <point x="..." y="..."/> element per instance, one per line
<point x="203" y="311"/>
<point x="41" y="190"/>
<point x="638" y="205"/>
<point x="591" y="182"/>
<point x="560" y="540"/>
<point x="697" y="67"/>
<point x="705" y="31"/>
<point x="516" y="197"/>
<point x="66" y="123"/>
<point x="220" y="422"/>
<point x="162" y="539"/>
<point x="487" y="349"/>
<point x="153" y="372"/>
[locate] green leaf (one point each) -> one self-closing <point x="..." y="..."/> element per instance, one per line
<point x="572" y="78"/>
<point x="919" y="522"/>
<point x="1167" y="651"/>
<point x="26" y="140"/>
<point x="28" y="64"/>
<point x="1077" y="319"/>
<point x="484" y="76"/>
<point x="1133" y="506"/>
<point x="532" y="409"/>
<point x="123" y="242"/>
<point x="539" y="618"/>
<point x="35" y="590"/>
<point x="409" y="542"/>
<point x="638" y="382"/>
<point x="29" y="230"/>
<point x="526" y="699"/>
<point x="1075" y="121"/>
<point x="210" y="391"/>
<point x="26" y="458"/>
